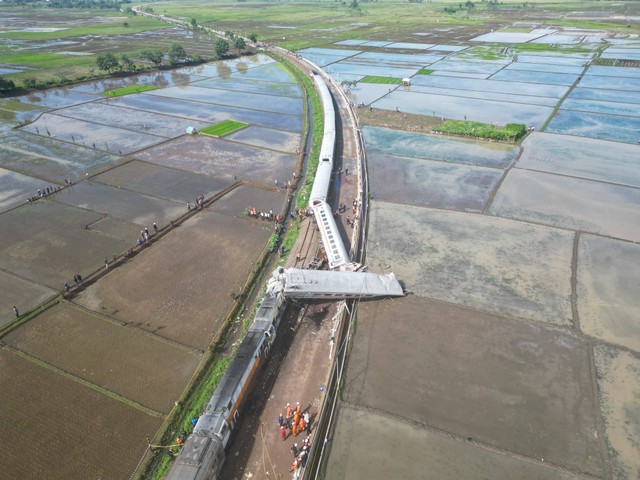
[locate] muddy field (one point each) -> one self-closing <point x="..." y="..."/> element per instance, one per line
<point x="141" y="367"/>
<point x="44" y="242"/>
<point x="98" y="436"/>
<point x="181" y="287"/>
<point x="221" y="158"/>
<point x="132" y="338"/>
<point x="515" y="386"/>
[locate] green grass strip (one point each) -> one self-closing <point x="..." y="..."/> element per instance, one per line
<point x="223" y="128"/>
<point x="384" y="80"/>
<point x="510" y="132"/>
<point x="425" y="71"/>
<point x="118" y="92"/>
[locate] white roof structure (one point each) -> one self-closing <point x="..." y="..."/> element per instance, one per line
<point x="323" y="284"/>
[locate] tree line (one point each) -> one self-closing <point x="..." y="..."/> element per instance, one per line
<point x="176" y="55"/>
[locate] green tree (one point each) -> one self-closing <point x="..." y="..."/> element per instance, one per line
<point x="176" y="54"/>
<point x="29" y="82"/>
<point x="194" y="23"/>
<point x="239" y="43"/>
<point x="107" y="61"/>
<point x="253" y="37"/>
<point x="6" y="85"/>
<point x="126" y="64"/>
<point x="154" y="56"/>
<point x="221" y="47"/>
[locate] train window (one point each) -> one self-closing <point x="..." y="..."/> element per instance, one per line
<point x="325" y="159"/>
<point x="229" y="406"/>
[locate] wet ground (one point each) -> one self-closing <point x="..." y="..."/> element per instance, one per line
<point x="516" y="349"/>
<point x="124" y="346"/>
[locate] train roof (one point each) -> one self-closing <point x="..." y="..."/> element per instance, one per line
<point x="300" y="283"/>
<point x="231" y="382"/>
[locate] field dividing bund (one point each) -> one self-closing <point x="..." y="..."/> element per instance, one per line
<point x="141" y="366"/>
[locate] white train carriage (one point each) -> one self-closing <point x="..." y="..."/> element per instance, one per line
<point x="322" y="181"/>
<point x="336" y="253"/>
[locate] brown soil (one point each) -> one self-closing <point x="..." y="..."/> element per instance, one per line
<point x="55" y="428"/>
<point x="181" y="287"/>
<point x="397" y="120"/>
<point x="125" y="360"/>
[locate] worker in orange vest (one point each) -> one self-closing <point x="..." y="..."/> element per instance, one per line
<point x="294" y="429"/>
<point x="301" y="424"/>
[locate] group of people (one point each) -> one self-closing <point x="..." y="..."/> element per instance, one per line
<point x="294" y="422"/>
<point x="143" y="239"/>
<point x="253" y="212"/>
<point x="199" y="203"/>
<point x="307" y="212"/>
<point x="43" y="192"/>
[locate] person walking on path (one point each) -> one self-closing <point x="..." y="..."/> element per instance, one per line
<point x="289" y="410"/>
<point x="283" y="432"/>
<point x="307" y="422"/>
<point x="280" y="420"/>
<point x="15" y="311"/>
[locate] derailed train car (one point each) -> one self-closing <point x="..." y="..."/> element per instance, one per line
<point x="203" y="453"/>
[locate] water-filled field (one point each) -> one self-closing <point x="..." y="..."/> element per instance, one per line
<point x="118" y="354"/>
<point x="530" y="244"/>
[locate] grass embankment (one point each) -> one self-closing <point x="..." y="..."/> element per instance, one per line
<point x="509" y="133"/>
<point x="318" y="129"/>
<point x="119" y="92"/>
<point x="223" y="128"/>
<point x="382" y="80"/>
<point x="425" y="71"/>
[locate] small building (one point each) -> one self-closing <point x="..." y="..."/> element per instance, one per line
<point x="406" y="82"/>
<point x="191" y="130"/>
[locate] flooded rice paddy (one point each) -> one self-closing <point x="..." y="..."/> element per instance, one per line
<point x="516" y="258"/>
<point x="74" y="200"/>
<point x="518" y="263"/>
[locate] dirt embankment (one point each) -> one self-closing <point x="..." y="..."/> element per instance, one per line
<point x="397" y="120"/>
